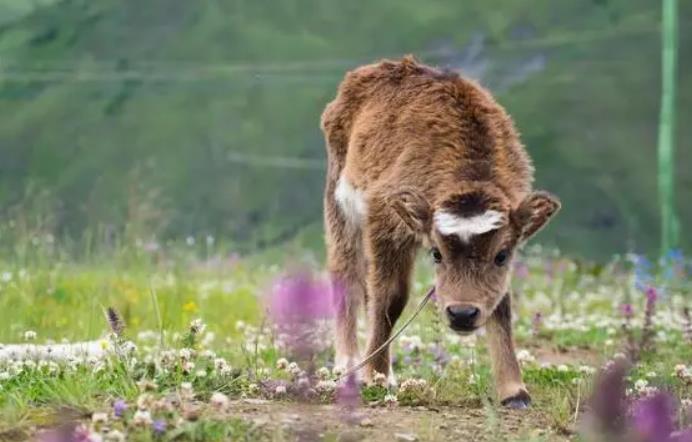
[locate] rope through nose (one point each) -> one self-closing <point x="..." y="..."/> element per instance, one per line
<point x="362" y="363"/>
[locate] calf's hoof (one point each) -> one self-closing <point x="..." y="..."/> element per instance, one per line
<point x="519" y="401"/>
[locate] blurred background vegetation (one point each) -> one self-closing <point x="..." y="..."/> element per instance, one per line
<point x="145" y="121"/>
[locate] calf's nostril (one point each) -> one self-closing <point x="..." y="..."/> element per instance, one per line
<point x="462" y="316"/>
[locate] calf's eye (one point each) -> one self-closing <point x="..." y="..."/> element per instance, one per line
<point x="502" y="257"/>
<point x="436" y="255"/>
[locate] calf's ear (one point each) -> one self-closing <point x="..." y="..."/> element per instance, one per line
<point x="413" y="210"/>
<point x="534" y="213"/>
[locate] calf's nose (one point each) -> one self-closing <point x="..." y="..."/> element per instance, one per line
<point x="462" y="317"/>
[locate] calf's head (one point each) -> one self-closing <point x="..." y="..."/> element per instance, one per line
<point x="472" y="234"/>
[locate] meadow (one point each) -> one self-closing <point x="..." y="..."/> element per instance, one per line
<point x="182" y="348"/>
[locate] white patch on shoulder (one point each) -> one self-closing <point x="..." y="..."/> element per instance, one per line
<point x="351" y="201"/>
<point x="451" y="224"/>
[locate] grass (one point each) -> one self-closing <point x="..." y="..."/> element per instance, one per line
<point x="445" y="381"/>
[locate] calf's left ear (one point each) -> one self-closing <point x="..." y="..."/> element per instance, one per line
<point x="534" y="213"/>
<point x="412" y="209"/>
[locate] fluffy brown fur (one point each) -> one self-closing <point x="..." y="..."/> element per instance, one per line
<point x="411" y="142"/>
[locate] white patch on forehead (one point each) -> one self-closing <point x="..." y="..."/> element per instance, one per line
<point x="351" y="201"/>
<point x="466" y="227"/>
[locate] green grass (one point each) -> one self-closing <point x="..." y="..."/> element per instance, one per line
<point x="66" y="300"/>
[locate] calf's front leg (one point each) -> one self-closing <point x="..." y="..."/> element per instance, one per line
<point x="389" y="271"/>
<point x="510" y="388"/>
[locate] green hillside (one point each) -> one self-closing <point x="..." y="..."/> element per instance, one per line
<point x="168" y="118"/>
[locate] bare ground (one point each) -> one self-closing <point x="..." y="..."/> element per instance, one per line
<point x="306" y="422"/>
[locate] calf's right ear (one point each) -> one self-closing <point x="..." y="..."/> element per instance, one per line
<point x="413" y="209"/>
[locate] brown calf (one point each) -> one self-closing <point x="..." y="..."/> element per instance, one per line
<point x="419" y="157"/>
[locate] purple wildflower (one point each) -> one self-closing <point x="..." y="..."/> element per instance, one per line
<point x="648" y="328"/>
<point x="536" y="323"/>
<point x="159" y="427"/>
<point x="82" y="434"/>
<point x="119" y="407"/>
<point x="299" y="298"/>
<point x="608" y="403"/>
<point x="296" y="303"/>
<point x="652" y="418"/>
<point x="348" y="397"/>
<point x="627" y="311"/>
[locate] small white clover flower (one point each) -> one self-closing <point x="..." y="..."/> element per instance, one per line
<point x="651" y="374"/>
<point x="562" y="368"/>
<point x="200" y="373"/>
<point x="323" y="373"/>
<point x="640" y="385"/>
<point x="380" y="379"/>
<point x="185" y="354"/>
<point x="280" y="390"/>
<point x="99" y="418"/>
<point x="282" y="364"/>
<point x="186" y="391"/>
<point x="293" y="368"/>
<point x="114" y="436"/>
<point x="29" y="335"/>
<point x="197" y="326"/>
<point x="325" y="386"/>
<point x="391" y="399"/>
<point x="129" y="348"/>
<point x="142" y="418"/>
<point x="188" y="366"/>
<point x="585" y="369"/>
<point x="525" y="356"/>
<point x="219" y="401"/>
<point x="338" y="371"/>
<point x="145" y="401"/>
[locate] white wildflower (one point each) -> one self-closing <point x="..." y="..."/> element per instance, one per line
<point x="114" y="436"/>
<point x="640" y="385"/>
<point x="280" y="390"/>
<point x="186" y="391"/>
<point x="391" y="399"/>
<point x="197" y="326"/>
<point x="219" y="401"/>
<point x="282" y="364"/>
<point x="29" y="335"/>
<point x="142" y="418"/>
<point x="293" y="368"/>
<point x="524" y="356"/>
<point x="326" y="386"/>
<point x="585" y="369"/>
<point x="323" y="373"/>
<point x="99" y="418"/>
<point x="379" y="379"/>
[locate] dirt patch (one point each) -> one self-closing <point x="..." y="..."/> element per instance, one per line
<point x="572" y="356"/>
<point x="303" y="422"/>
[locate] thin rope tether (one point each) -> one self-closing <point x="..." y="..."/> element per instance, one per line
<point x="362" y="363"/>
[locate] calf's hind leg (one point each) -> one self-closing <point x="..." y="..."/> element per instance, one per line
<point x="346" y="267"/>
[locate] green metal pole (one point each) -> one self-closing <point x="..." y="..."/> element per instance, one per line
<point x="666" y="133"/>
